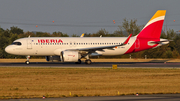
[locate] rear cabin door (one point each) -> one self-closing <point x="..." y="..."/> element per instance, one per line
<point x="137" y="44"/>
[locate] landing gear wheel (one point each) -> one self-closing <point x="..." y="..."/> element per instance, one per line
<point x="79" y="61"/>
<point x="88" y="61"/>
<point x="27" y="62"/>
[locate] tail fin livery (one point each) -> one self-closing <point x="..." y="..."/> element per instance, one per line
<point x="82" y="35"/>
<point x="154" y="27"/>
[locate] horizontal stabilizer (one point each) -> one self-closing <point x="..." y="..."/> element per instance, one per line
<point x="160" y="42"/>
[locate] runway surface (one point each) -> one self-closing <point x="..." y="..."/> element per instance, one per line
<point x="156" y="97"/>
<point x="152" y="64"/>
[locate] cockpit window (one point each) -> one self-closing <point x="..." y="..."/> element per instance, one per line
<point x="16" y="43"/>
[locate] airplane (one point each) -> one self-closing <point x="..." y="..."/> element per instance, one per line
<point x="73" y="49"/>
<point x="82" y="35"/>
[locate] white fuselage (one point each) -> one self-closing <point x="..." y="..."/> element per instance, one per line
<point x="50" y="46"/>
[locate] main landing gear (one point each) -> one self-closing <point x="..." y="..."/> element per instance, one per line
<point x="27" y="62"/>
<point x="87" y="61"/>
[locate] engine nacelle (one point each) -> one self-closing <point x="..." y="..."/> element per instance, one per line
<point x="52" y="58"/>
<point x="70" y="56"/>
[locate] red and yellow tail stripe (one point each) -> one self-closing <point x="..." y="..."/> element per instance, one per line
<point x="153" y="28"/>
<point x="159" y="15"/>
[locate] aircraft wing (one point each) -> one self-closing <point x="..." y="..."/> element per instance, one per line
<point x="102" y="47"/>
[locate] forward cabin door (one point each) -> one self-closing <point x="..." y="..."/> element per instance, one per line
<point x="29" y="44"/>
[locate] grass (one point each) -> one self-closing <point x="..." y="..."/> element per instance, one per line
<point x="60" y="82"/>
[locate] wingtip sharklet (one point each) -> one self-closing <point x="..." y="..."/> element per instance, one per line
<point x="82" y="35"/>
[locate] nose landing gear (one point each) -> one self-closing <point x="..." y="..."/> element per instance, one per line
<point x="27" y="62"/>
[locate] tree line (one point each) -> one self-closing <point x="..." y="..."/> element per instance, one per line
<point x="171" y="50"/>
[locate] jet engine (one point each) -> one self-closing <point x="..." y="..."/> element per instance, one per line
<point x="70" y="56"/>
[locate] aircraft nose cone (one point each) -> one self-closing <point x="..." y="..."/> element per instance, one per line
<point x="8" y="49"/>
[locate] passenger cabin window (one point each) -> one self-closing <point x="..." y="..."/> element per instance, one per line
<point x="16" y="43"/>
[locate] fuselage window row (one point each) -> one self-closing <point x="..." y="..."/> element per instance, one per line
<point x="77" y="43"/>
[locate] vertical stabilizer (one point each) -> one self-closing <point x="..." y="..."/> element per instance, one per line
<point x="154" y="27"/>
<point x="82" y="35"/>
